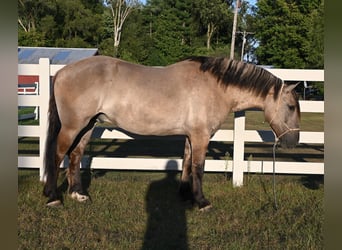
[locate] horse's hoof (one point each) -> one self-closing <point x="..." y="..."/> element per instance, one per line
<point x="79" y="197"/>
<point x="204" y="205"/>
<point x="54" y="203"/>
<point x="206" y="208"/>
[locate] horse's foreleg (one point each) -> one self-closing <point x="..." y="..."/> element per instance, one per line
<point x="185" y="185"/>
<point x="73" y="173"/>
<point x="199" y="149"/>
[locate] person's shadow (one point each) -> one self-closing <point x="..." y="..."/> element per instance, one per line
<point x="166" y="225"/>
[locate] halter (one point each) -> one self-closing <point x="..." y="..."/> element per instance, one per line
<point x="275" y="114"/>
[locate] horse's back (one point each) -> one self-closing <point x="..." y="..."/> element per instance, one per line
<point x="137" y="98"/>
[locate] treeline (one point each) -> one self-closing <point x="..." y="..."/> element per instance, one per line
<point x="282" y="33"/>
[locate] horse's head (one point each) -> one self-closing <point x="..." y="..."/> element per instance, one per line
<point x="283" y="115"/>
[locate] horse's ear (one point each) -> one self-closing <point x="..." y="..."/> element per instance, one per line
<point x="291" y="87"/>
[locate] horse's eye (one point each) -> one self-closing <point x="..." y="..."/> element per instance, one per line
<point x="291" y="107"/>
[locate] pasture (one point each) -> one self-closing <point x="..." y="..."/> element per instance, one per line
<point x="142" y="210"/>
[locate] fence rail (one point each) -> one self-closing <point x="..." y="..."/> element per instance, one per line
<point x="239" y="135"/>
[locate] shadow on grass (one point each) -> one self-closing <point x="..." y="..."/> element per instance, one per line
<point x="166" y="226"/>
<point x="313" y="181"/>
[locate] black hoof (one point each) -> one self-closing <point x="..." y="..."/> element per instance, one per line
<point x="204" y="205"/>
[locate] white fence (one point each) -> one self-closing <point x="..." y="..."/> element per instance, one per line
<point x="238" y="166"/>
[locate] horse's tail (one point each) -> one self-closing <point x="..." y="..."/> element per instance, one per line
<point x="54" y="126"/>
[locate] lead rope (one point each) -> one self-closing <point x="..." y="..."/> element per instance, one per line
<point x="274" y="176"/>
<point x="275" y="205"/>
<point x="275" y="145"/>
<point x="274" y="160"/>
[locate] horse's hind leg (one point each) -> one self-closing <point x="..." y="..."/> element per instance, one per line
<point x="65" y="139"/>
<point x="73" y="171"/>
<point x="185" y="189"/>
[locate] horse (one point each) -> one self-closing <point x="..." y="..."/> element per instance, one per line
<point x="191" y="98"/>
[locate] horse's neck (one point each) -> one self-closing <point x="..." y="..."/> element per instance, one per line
<point x="243" y="99"/>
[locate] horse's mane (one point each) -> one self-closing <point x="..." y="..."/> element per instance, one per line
<point x="236" y="73"/>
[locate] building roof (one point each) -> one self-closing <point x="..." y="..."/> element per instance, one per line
<point x="31" y="55"/>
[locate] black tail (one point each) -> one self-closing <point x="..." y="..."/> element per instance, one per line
<point x="51" y="147"/>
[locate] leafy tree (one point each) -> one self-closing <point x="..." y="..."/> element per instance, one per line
<point x="120" y="10"/>
<point x="30" y="13"/>
<point x="284" y="30"/>
<point x="62" y="23"/>
<point x="213" y="15"/>
<point x="287" y="33"/>
<point x="169" y="30"/>
<point x="136" y="41"/>
<point x="315" y="58"/>
<point x="35" y="18"/>
<point x="77" y="24"/>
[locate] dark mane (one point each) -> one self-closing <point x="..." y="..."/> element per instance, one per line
<point x="236" y="73"/>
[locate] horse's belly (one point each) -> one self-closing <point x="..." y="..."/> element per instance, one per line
<point x="151" y="129"/>
<point x="144" y="123"/>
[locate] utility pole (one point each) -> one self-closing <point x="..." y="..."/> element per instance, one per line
<point x="232" y="44"/>
<point x="244" y="34"/>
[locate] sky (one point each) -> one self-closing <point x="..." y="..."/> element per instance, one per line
<point x="252" y="2"/>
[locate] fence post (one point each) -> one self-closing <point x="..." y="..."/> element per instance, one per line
<point x="44" y="95"/>
<point x="239" y="144"/>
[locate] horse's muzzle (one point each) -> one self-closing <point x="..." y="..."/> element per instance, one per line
<point x="290" y="139"/>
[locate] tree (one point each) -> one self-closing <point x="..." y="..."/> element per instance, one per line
<point x="62" y="23"/>
<point x="284" y="31"/>
<point x="136" y="42"/>
<point x="29" y="14"/>
<point x="316" y="37"/>
<point x="32" y="14"/>
<point x="120" y="10"/>
<point x="245" y="40"/>
<point x="212" y="14"/>
<point x="170" y="30"/>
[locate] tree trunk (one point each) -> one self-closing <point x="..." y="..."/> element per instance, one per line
<point x="210" y="32"/>
<point x="120" y="11"/>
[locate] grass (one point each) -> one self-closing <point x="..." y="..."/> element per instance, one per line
<point x="141" y="210"/>
<point x="27" y="110"/>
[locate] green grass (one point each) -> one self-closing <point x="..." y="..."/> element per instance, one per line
<point x="27" y="110"/>
<point x="140" y="210"/>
